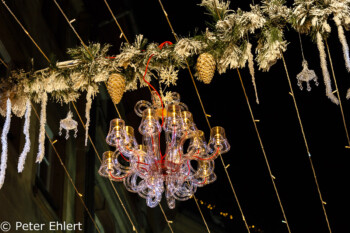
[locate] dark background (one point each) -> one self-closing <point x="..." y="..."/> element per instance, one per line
<point x="225" y="102"/>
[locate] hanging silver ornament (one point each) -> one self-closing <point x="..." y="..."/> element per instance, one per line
<point x="68" y="124"/>
<point x="306" y="75"/>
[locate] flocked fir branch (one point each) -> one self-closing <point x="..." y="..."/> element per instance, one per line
<point x="270" y="47"/>
<point x="218" y="9"/>
<point x="226" y="38"/>
<point x="226" y="44"/>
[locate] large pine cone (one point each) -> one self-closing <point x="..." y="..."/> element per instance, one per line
<point x="116" y="87"/>
<point x="205" y="67"/>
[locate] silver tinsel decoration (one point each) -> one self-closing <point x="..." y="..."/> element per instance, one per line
<point x="68" y="124"/>
<point x="306" y="75"/>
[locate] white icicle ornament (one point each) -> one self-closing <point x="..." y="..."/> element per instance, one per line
<point x="41" y="140"/>
<point x="26" y="149"/>
<point x="4" y="143"/>
<point x="68" y="124"/>
<point x="306" y="75"/>
<point x="89" y="96"/>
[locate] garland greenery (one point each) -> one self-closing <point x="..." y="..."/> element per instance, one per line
<point x="228" y="39"/>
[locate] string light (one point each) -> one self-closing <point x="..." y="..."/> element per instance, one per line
<point x="51" y="143"/>
<point x="226" y="215"/>
<point x="126" y="39"/>
<point x="208" y="122"/>
<point x="211" y="207"/>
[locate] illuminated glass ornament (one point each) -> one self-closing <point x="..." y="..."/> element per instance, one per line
<point x="306" y="75"/>
<point x="145" y="170"/>
<point x="68" y="124"/>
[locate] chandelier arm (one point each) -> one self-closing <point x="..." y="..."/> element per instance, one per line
<point x="191" y="153"/>
<point x="203" y="182"/>
<point x="189" y="169"/>
<point x="118" y="178"/>
<point x="172" y="146"/>
<point x="155" y="146"/>
<point x="211" y="157"/>
<point x="168" y="137"/>
<point x="130" y="183"/>
<point x="123" y="151"/>
<point x="183" y="139"/>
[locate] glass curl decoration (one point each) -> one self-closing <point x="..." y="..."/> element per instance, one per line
<point x="188" y="161"/>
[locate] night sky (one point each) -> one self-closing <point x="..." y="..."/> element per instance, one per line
<point x="278" y="126"/>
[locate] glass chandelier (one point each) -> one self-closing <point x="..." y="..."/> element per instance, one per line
<point x="145" y="170"/>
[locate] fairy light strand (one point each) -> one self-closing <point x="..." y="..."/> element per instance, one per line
<point x="2" y="61"/>
<point x="150" y="91"/>
<point x="86" y="48"/>
<point x="26" y="32"/>
<point x="337" y="90"/>
<point x="67" y="173"/>
<point x="110" y="180"/>
<point x="71" y="26"/>
<point x="166" y="218"/>
<point x="264" y="153"/>
<point x="306" y="143"/>
<point x="208" y="122"/>
<point x="200" y="211"/>
<point x="84" y="127"/>
<point x="116" y="21"/>
<point x="58" y="156"/>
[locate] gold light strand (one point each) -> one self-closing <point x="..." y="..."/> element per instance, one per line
<point x="84" y="127"/>
<point x="166" y="218"/>
<point x="99" y="157"/>
<point x="206" y="117"/>
<point x="115" y="106"/>
<point x="52" y="144"/>
<point x="199" y="209"/>
<point x="116" y="21"/>
<point x="306" y="144"/>
<point x="81" y="40"/>
<point x="123" y="34"/>
<point x="25" y="31"/>
<point x="75" y="32"/>
<point x="67" y="173"/>
<point x="336" y="87"/>
<point x="264" y="153"/>
<point x="167" y="18"/>
<point x="212" y="207"/>
<point x="2" y="61"/>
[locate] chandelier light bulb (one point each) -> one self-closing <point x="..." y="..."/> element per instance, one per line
<point x="145" y="169"/>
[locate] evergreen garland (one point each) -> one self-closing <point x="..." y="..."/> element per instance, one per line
<point x="226" y="39"/>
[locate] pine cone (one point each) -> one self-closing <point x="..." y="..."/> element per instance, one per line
<point x="206" y="67"/>
<point x="116" y="87"/>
